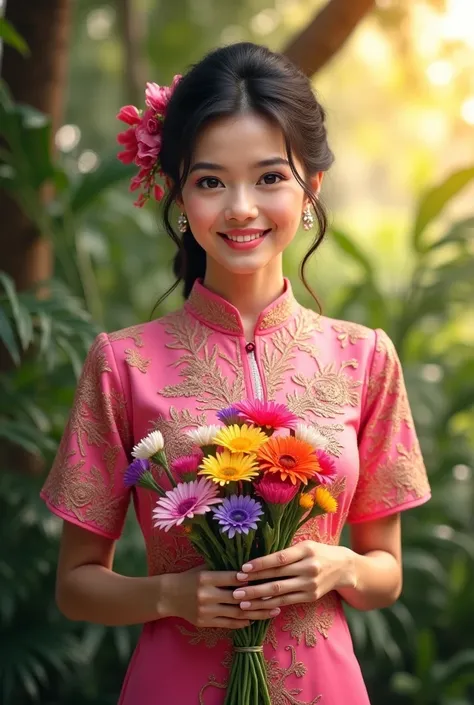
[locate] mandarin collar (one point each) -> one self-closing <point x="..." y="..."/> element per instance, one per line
<point x="215" y="312"/>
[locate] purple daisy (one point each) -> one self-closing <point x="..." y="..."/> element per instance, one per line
<point x="185" y="501"/>
<point x="135" y="471"/>
<point x="238" y="514"/>
<point x="230" y="416"/>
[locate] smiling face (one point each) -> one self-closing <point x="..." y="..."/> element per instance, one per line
<point x="241" y="198"/>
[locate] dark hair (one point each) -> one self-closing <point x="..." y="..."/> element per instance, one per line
<point x="233" y="80"/>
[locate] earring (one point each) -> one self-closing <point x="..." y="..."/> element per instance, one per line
<point x="182" y="223"/>
<point x="307" y="218"/>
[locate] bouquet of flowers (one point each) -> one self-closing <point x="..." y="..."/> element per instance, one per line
<point x="253" y="482"/>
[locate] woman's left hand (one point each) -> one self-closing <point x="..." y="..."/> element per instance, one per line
<point x="301" y="573"/>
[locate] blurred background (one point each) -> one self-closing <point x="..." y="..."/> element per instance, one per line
<point x="397" y="80"/>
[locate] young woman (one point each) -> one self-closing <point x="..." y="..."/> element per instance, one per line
<point x="243" y="149"/>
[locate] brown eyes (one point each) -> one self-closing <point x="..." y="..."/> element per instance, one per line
<point x="211" y="182"/>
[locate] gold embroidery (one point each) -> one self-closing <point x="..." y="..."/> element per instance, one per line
<point x="133" y="332"/>
<point x="176" y="442"/>
<point x="204" y="380"/>
<point x="134" y="359"/>
<point x="304" y="620"/>
<point x="278" y="314"/>
<point x="277" y="676"/>
<point x="170" y="554"/>
<point x="280" y="359"/>
<point x="88" y="497"/>
<point x="208" y="637"/>
<point x="394" y="482"/>
<point x="326" y="392"/>
<point x="214" y="312"/>
<point x="349" y="333"/>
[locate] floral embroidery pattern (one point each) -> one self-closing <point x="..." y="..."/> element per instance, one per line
<point x="133" y="332"/>
<point x="393" y="482"/>
<point x="204" y="379"/>
<point x="214" y="312"/>
<point x="326" y="392"/>
<point x="278" y="314"/>
<point x="349" y="333"/>
<point x="134" y="359"/>
<point x="277" y="676"/>
<point x="305" y="620"/>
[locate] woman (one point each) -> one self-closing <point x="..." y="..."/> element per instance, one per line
<point x="243" y="150"/>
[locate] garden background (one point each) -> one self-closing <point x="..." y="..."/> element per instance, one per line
<point x="397" y="80"/>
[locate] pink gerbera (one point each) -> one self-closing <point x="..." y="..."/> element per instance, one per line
<point x="326" y="471"/>
<point x="185" y="501"/>
<point x="274" y="490"/>
<point x="186" y="465"/>
<point x="267" y="414"/>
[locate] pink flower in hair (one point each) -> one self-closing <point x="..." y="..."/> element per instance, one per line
<point x="129" y="114"/>
<point x="128" y="139"/>
<point x="142" y="141"/>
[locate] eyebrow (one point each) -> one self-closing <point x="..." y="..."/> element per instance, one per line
<point x="273" y="161"/>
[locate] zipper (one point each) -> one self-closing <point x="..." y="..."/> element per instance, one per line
<point x="254" y="373"/>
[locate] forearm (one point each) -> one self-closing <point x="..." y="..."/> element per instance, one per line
<point x="92" y="593"/>
<point x="377" y="579"/>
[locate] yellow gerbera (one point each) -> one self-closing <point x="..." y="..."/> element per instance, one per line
<point x="229" y="467"/>
<point x="240" y="439"/>
<point x="325" y="500"/>
<point x="306" y="501"/>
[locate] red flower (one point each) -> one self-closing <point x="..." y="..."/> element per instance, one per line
<point x="129" y="114"/>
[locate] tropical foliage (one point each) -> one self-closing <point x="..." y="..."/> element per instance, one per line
<point x="419" y="652"/>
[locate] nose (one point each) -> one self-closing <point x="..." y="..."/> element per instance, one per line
<point x="241" y="206"/>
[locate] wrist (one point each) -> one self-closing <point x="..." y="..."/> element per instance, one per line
<point x="161" y="590"/>
<point x="350" y="573"/>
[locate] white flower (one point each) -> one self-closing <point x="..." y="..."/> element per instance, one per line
<point x="204" y="435"/>
<point x="149" y="445"/>
<point x="311" y="435"/>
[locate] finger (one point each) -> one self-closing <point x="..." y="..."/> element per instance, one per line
<point x="224" y="612"/>
<point x="268" y="590"/>
<point x="275" y="560"/>
<point x="218" y="578"/>
<point x="291" y="598"/>
<point x="287" y="571"/>
<point x="260" y="615"/>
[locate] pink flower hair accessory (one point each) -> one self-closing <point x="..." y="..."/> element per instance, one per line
<point x="142" y="140"/>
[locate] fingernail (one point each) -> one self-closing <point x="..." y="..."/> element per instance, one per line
<point x="245" y="605"/>
<point x="275" y="612"/>
<point x="267" y="598"/>
<point x="239" y="594"/>
<point x="242" y="576"/>
<point x="247" y="567"/>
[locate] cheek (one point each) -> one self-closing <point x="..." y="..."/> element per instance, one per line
<point x="286" y="210"/>
<point x="201" y="211"/>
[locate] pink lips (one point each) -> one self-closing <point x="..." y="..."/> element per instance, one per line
<point x="250" y="245"/>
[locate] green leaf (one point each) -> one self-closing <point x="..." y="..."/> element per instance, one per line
<point x="10" y="36"/>
<point x="110" y="172"/>
<point x="8" y="337"/>
<point x="347" y="245"/>
<point x="433" y="202"/>
<point x="461" y="232"/>
<point x="20" y="314"/>
<point x="36" y="144"/>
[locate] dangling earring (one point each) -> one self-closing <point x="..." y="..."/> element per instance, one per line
<point x="307" y="218"/>
<point x="182" y="223"/>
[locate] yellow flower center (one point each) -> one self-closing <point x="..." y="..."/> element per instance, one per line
<point x="228" y="471"/>
<point x="240" y="444"/>
<point x="287" y="461"/>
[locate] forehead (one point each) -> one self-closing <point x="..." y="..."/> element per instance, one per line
<point x="247" y="138"/>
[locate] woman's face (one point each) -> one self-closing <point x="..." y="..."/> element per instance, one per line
<point x="241" y="199"/>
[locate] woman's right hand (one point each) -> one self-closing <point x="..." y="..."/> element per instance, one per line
<point x="204" y="598"/>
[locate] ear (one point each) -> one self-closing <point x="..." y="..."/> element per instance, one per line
<point x="315" y="183"/>
<point x="169" y="185"/>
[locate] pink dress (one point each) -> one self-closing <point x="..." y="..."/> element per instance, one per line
<point x="173" y="374"/>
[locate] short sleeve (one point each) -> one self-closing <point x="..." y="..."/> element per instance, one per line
<point x="85" y="484"/>
<point x="392" y="473"/>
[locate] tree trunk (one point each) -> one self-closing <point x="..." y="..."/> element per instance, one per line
<point x="37" y="80"/>
<point x="324" y="36"/>
<point x="132" y="30"/>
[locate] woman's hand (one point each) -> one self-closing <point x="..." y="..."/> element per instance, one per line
<point x="204" y="598"/>
<point x="302" y="573"/>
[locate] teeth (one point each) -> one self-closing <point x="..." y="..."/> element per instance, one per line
<point x="244" y="238"/>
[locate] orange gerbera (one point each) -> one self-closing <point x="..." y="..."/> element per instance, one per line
<point x="291" y="457"/>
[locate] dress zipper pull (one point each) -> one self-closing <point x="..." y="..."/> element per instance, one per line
<point x="254" y="373"/>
